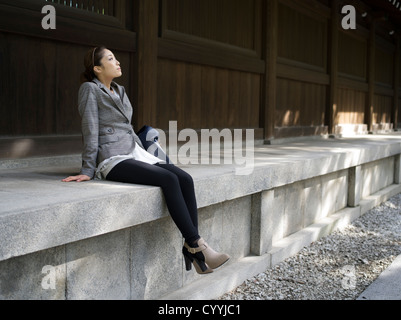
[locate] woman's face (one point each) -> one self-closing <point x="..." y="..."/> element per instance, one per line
<point x="110" y="67"/>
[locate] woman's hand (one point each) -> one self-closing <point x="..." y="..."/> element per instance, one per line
<point x="79" y="178"/>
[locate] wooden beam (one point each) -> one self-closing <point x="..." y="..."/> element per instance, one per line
<point x="269" y="80"/>
<point x="79" y="27"/>
<point x="371" y="76"/>
<point x="331" y="111"/>
<point x="396" y="84"/>
<point x="146" y="13"/>
<point x="181" y="47"/>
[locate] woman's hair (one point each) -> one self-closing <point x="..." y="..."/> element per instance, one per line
<point x="92" y="59"/>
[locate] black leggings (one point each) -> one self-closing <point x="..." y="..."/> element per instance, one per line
<point x="177" y="187"/>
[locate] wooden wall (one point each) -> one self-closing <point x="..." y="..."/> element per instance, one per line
<point x="284" y="67"/>
<point x="302" y="79"/>
<point x="209" y="64"/>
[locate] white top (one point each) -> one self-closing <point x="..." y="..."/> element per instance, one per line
<point x="138" y="154"/>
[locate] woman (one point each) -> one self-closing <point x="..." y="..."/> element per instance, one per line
<point x="112" y="151"/>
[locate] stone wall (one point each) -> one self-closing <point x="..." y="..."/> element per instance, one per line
<point x="254" y="216"/>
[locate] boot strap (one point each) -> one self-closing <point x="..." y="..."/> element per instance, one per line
<point x="202" y="247"/>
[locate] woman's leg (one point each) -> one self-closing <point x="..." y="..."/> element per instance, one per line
<point x="174" y="184"/>
<point x="187" y="189"/>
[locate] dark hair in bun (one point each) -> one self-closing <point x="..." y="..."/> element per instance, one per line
<point x="91" y="60"/>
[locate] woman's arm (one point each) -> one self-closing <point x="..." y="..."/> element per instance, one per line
<point x="88" y="109"/>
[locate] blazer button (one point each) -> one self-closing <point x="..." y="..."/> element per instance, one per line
<point x="129" y="132"/>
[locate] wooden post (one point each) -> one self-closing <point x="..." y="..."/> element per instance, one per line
<point x="269" y="81"/>
<point x="371" y="76"/>
<point x="331" y="112"/>
<point x="394" y="113"/>
<point x="146" y="13"/>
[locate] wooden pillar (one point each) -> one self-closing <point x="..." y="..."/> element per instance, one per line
<point x="269" y="81"/>
<point x="146" y="15"/>
<point x="331" y="112"/>
<point x="371" y="76"/>
<point x="396" y="82"/>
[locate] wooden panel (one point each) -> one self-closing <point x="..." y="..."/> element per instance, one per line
<point x="300" y="103"/>
<point x="352" y="55"/>
<point x="225" y="21"/>
<point x="209" y="53"/>
<point x="218" y="33"/>
<point x="399" y="71"/>
<point x="297" y="71"/>
<point x="351" y="106"/>
<point x="384" y="66"/>
<point x="206" y="97"/>
<point x="382" y="109"/>
<point x="302" y="38"/>
<point x="144" y="82"/>
<point x="179" y="94"/>
<point x="302" y="84"/>
<point x="28" y="87"/>
<point x="399" y="113"/>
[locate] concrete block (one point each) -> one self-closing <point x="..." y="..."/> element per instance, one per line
<point x="292" y="244"/>
<point x="262" y="224"/>
<point x="98" y="268"/>
<point x="334" y="192"/>
<point x="397" y="169"/>
<point x="287" y="247"/>
<point x="313" y="201"/>
<point x="294" y="208"/>
<point x="26" y="277"/>
<point x="236" y="221"/>
<point x="226" y="227"/>
<point x="156" y="259"/>
<point x="377" y="175"/>
<point x="354" y="186"/>
<point x="277" y="216"/>
<point x="374" y="200"/>
<point x="341" y="190"/>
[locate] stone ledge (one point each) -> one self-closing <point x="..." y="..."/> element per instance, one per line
<point x="33" y="198"/>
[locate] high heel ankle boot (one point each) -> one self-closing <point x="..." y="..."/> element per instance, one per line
<point x="197" y="259"/>
<point x="212" y="258"/>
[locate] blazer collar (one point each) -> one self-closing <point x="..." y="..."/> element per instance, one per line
<point x="117" y="98"/>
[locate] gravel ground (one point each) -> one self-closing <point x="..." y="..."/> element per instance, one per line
<point x="337" y="267"/>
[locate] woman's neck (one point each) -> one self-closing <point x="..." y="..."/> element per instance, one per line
<point x="106" y="82"/>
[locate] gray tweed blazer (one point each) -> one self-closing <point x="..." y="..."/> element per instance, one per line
<point x="106" y="124"/>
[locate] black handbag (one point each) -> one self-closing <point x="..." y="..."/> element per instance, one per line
<point x="150" y="141"/>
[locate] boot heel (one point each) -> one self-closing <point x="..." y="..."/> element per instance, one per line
<point x="200" y="266"/>
<point x="188" y="263"/>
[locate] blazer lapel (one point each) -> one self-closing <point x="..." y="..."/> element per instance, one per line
<point x="117" y="99"/>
